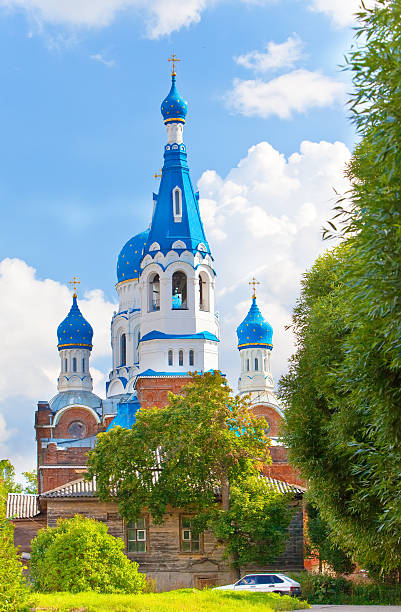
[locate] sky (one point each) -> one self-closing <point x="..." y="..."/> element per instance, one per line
<point x="268" y="138"/>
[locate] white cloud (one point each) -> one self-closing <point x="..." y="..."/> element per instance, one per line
<point x="161" y="16"/>
<point x="342" y="12"/>
<point x="294" y="92"/>
<point x="264" y="219"/>
<point x="30" y="311"/>
<point x="99" y="57"/>
<point x="277" y="55"/>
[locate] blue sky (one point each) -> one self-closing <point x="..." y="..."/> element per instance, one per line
<point x="82" y="136"/>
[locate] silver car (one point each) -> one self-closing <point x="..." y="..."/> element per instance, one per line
<point x="265" y="583"/>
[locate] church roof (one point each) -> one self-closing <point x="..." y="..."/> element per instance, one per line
<point x="176" y="218"/>
<point x="129" y="259"/>
<point x="83" y="488"/>
<point x="74" y="331"/>
<point x="174" y="108"/>
<point x="22" y="505"/>
<point x="254" y="330"/>
<point x="74" y="398"/>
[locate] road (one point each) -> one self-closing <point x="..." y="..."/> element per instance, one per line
<point x="327" y="608"/>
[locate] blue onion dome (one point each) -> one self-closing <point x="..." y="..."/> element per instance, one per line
<point x="254" y="330"/>
<point x="74" y="331"/>
<point x="129" y="259"/>
<point x="174" y="107"/>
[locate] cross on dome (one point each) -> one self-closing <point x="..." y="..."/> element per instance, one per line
<point x="75" y="282"/>
<point x="254" y="282"/>
<point x="173" y="59"/>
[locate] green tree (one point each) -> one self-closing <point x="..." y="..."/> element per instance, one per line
<point x="203" y="440"/>
<point x="7" y="476"/>
<point x="13" y="589"/>
<point x="350" y="449"/>
<point x="79" y="555"/>
<point x="321" y="545"/>
<point x="31" y="479"/>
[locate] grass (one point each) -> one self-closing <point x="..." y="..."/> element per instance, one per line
<point x="188" y="600"/>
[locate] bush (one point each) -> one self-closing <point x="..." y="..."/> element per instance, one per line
<point x="79" y="555"/>
<point x="13" y="589"/>
<point x="328" y="589"/>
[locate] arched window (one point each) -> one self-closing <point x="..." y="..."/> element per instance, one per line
<point x="154" y="292"/>
<point x="65" y="365"/>
<point x="123" y="349"/>
<point x="170" y="358"/>
<point x="83" y="364"/>
<point x="256" y="364"/>
<point x="180" y="358"/>
<point x="179" y="291"/>
<point x="247" y="365"/>
<point x="191" y="358"/>
<point x="177" y="204"/>
<point x="74" y="364"/>
<point x="265" y="364"/>
<point x="203" y="292"/>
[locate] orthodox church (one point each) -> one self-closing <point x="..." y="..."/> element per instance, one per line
<point x="165" y="328"/>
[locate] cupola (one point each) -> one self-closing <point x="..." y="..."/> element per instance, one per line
<point x="254" y="330"/>
<point x="128" y="263"/>
<point x="74" y="331"/>
<point x="174" y="108"/>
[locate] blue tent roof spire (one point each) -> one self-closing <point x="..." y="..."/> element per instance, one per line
<point x="176" y="219"/>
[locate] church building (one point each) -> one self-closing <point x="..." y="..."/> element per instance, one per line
<point x="165" y="327"/>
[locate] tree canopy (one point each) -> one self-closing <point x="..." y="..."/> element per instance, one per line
<point x="204" y="444"/>
<point x="343" y="389"/>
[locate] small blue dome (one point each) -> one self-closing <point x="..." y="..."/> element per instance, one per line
<point x="74" y="331"/>
<point x="254" y="330"/>
<point x="128" y="263"/>
<point x="174" y="107"/>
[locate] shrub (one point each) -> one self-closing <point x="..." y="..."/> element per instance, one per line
<point x="79" y="555"/>
<point x="13" y="589"/>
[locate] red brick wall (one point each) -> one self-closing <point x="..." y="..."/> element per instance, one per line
<point x="154" y="391"/>
<point x="271" y="416"/>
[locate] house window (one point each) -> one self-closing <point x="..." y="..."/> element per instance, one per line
<point x="136" y="536"/>
<point x="74" y="364"/>
<point x="180" y="358"/>
<point x="77" y="429"/>
<point x="177" y="204"/>
<point x="190" y="539"/>
<point x="170" y="358"/>
<point x="179" y="291"/>
<point x="154" y="292"/>
<point x="247" y="365"/>
<point x="256" y="364"/>
<point x="65" y="365"/>
<point x="123" y="349"/>
<point x="191" y="358"/>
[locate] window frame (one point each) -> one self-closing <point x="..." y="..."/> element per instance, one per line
<point x="145" y="529"/>
<point x="170" y="353"/>
<point x="177" y="215"/>
<point x="180" y="357"/>
<point x="74" y="365"/>
<point x="189" y="517"/>
<point x="191" y="357"/>
<point x="123" y="349"/>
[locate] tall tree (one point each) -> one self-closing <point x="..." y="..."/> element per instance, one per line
<point x="204" y="441"/>
<point x="351" y="451"/>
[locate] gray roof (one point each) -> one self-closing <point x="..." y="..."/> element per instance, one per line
<point x="22" y="505"/>
<point x="72" y="398"/>
<point x="83" y="488"/>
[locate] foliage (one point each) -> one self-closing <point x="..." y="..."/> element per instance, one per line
<point x="350" y="450"/>
<point x="7" y="476"/>
<point x="79" y="555"/>
<point x="203" y="440"/>
<point x="255" y="527"/>
<point x="322" y="546"/>
<point x="13" y="589"/>
<point x="190" y="600"/>
<point x="318" y="588"/>
<point x="32" y="482"/>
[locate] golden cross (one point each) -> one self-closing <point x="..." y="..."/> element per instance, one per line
<point x="156" y="176"/>
<point x="75" y="282"/>
<point x="173" y="59"/>
<point x="254" y="282"/>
